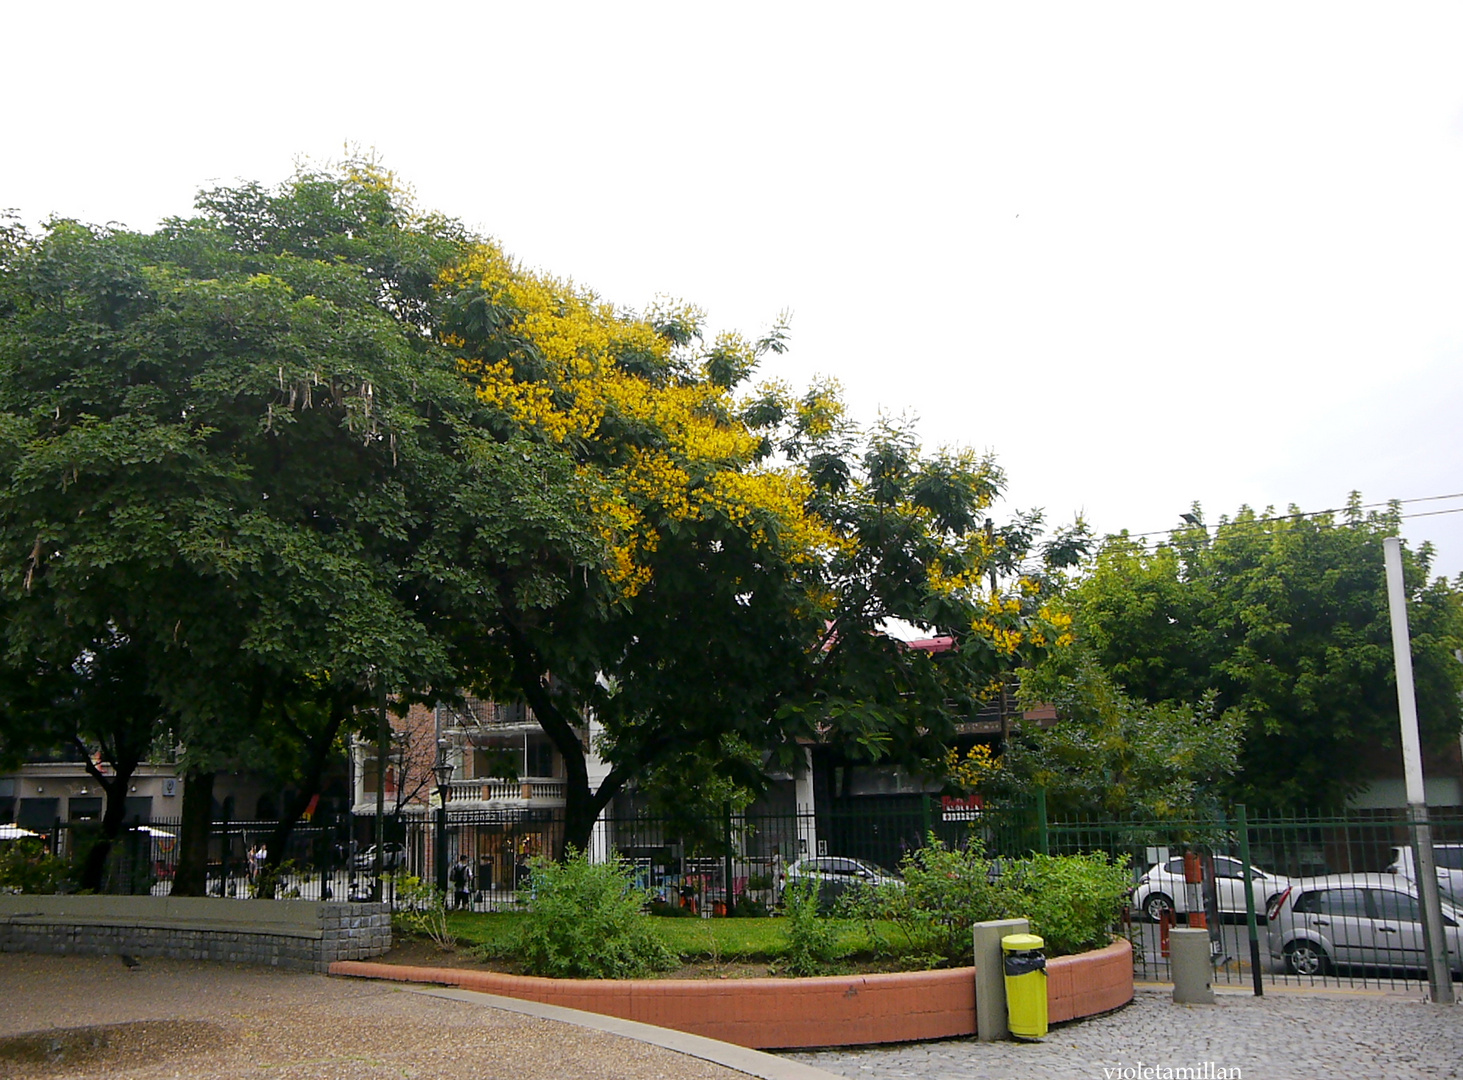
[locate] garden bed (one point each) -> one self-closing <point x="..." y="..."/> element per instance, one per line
<point x="834" y="1010"/>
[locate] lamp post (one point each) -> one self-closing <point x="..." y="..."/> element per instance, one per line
<point x="443" y="772"/>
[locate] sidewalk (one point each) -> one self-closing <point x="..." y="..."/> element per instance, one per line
<point x="1286" y="1035"/>
<point x="70" y="1016"/>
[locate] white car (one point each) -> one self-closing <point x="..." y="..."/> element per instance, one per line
<point x="1449" y="861"/>
<point x="1162" y="889"/>
<point x="835" y="876"/>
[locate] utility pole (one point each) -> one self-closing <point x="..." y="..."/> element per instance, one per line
<point x="383" y="744"/>
<point x="1440" y="979"/>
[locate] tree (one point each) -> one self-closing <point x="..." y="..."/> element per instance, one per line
<point x="1110" y="755"/>
<point x="1284" y="618"/>
<point x="235" y="438"/>
<point x="756" y="548"/>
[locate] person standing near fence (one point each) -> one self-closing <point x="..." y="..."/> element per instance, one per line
<point x="462" y="882"/>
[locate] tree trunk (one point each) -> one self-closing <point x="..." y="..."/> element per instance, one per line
<point x="114" y="817"/>
<point x="310" y="785"/>
<point x="191" y="877"/>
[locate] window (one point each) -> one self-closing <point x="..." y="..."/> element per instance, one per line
<point x="1175" y="866"/>
<point x="1448" y="857"/>
<point x="1351" y="902"/>
<point x="1228" y="868"/>
<point x="1394" y="906"/>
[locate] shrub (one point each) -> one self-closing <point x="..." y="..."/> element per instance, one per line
<point x="588" y="920"/>
<point x="26" y="866"/>
<point x="810" y="938"/>
<point x="1072" y="900"/>
<point x="422" y="910"/>
<point x="946" y="892"/>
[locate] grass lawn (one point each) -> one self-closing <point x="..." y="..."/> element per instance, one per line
<point x="726" y="940"/>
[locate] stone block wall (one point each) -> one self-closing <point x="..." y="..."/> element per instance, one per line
<point x="298" y="935"/>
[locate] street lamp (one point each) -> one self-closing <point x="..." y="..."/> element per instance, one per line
<point x="443" y="772"/>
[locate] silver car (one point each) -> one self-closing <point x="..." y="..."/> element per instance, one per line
<point x="1355" y="920"/>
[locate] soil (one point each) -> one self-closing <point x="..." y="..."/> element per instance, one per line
<point x="419" y="952"/>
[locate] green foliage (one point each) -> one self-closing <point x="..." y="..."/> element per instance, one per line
<point x="946" y="891"/>
<point x="587" y="920"/>
<point x="811" y="938"/>
<point x="422" y="911"/>
<point x="1283" y="619"/>
<point x="1115" y="756"/>
<point x="1073" y="901"/>
<point x="26" y="866"/>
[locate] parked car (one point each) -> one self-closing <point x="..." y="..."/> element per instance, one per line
<point x="1360" y="920"/>
<point x="1161" y="888"/>
<point x="393" y="857"/>
<point x="836" y="875"/>
<point x="1449" y="861"/>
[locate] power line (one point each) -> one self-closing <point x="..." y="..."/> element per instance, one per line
<point x="1333" y="510"/>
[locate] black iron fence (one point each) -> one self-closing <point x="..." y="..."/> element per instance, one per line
<point x="1347" y="881"/>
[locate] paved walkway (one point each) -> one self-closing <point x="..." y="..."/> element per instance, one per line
<point x="79" y="1016"/>
<point x="1282" y="1036"/>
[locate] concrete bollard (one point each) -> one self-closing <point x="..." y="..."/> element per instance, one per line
<point x="990" y="977"/>
<point x="1192" y="971"/>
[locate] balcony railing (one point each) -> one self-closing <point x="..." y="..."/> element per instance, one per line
<point x="532" y="789"/>
<point x="475" y="713"/>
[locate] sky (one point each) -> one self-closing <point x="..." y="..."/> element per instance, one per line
<point x="1147" y="254"/>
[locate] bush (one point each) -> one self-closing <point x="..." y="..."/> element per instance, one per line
<point x="26" y="866"/>
<point x="1072" y="900"/>
<point x="946" y="892"/>
<point x="810" y="938"/>
<point x="588" y="920"/>
<point x="422" y="911"/>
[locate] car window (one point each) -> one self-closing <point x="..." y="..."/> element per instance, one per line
<point x="1227" y="868"/>
<point x="1174" y="866"/>
<point x="1342" y="902"/>
<point x="1394" y="906"/>
<point x="842" y="867"/>
<point x="1448" y="858"/>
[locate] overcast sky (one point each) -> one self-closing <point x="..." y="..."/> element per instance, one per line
<point x="1148" y="254"/>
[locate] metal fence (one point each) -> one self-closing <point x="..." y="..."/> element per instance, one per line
<point x="1350" y="919"/>
<point x="1350" y="916"/>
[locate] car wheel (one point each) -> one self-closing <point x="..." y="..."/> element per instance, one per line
<point x="1156" y="904"/>
<point x="1306" y="958"/>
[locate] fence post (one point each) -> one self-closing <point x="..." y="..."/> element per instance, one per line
<point x="1043" y="840"/>
<point x="1250" y="924"/>
<point x="727" y="839"/>
<point x="924" y="819"/>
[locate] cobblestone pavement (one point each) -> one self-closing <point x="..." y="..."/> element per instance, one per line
<point x="1282" y="1036"/>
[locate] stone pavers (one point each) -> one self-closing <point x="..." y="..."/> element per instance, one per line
<point x="1282" y="1036"/>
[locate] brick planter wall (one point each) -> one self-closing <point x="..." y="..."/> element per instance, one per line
<point x="768" y="1014"/>
<point x="299" y="935"/>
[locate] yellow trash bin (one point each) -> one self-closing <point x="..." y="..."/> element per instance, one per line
<point x="1025" y="963"/>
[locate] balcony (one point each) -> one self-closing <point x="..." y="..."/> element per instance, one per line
<point x="533" y="790"/>
<point x="475" y="715"/>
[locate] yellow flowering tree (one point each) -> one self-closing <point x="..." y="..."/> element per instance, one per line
<point x="755" y="545"/>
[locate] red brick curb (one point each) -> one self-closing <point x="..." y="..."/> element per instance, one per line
<point x="768" y="1014"/>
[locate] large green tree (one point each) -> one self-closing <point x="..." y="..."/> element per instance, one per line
<point x="1283" y="618"/>
<point x="235" y="440"/>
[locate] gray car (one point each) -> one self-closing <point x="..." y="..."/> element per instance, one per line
<point x="1355" y="920"/>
